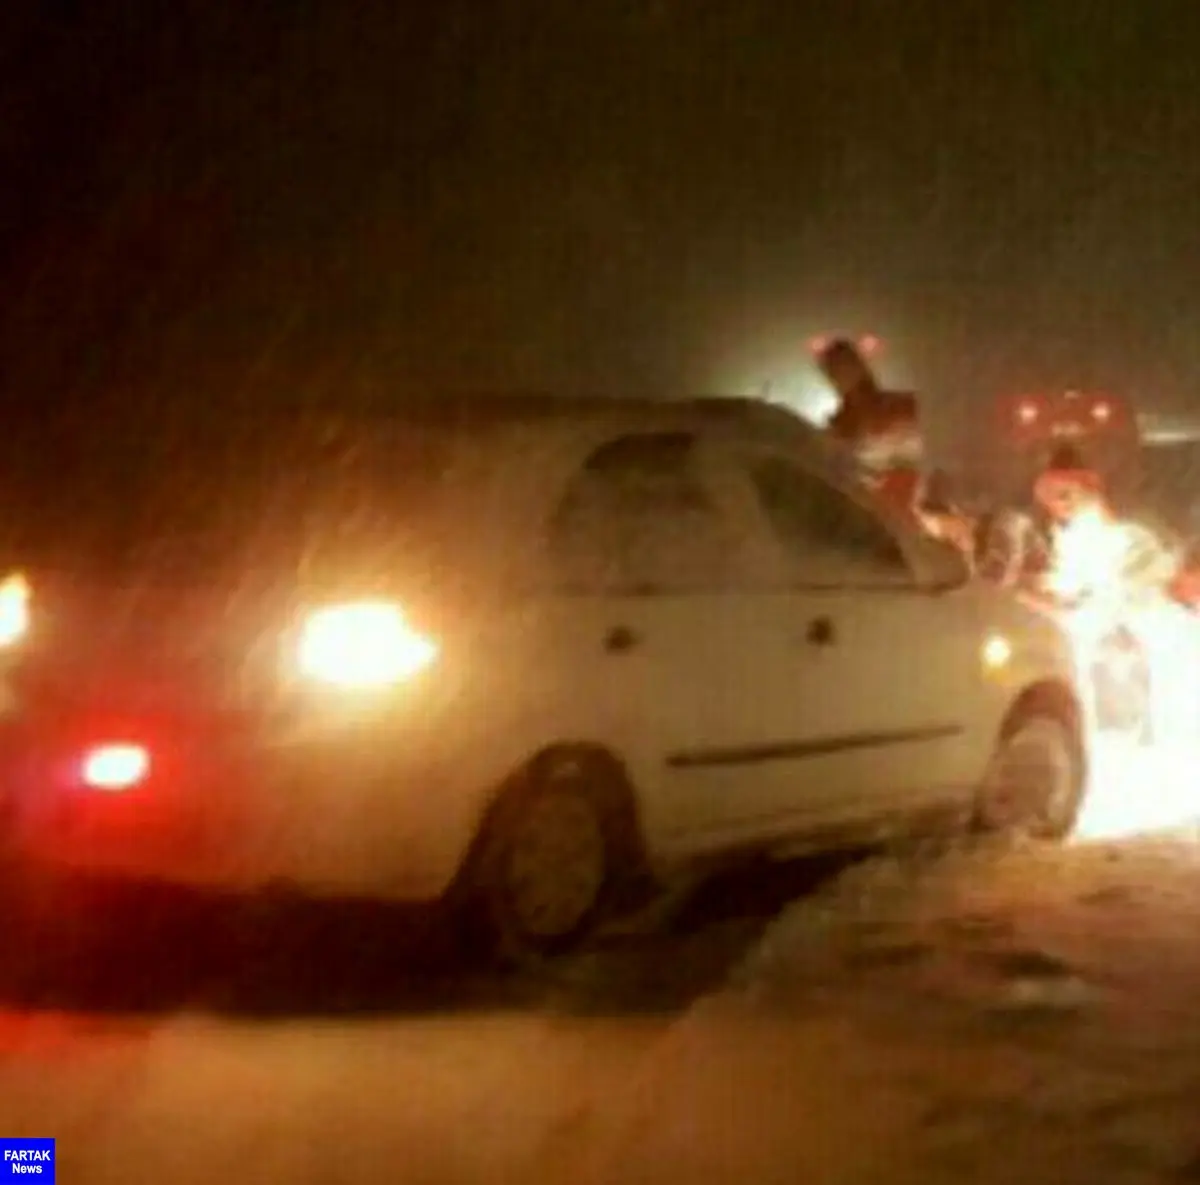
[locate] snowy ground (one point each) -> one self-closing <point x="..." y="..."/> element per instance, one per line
<point x="992" y="1015"/>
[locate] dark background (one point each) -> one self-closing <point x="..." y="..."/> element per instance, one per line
<point x="204" y="200"/>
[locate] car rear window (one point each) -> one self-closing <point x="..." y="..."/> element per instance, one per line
<point x="639" y="516"/>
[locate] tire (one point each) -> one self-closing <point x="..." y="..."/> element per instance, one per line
<point x="548" y="862"/>
<point x="1035" y="781"/>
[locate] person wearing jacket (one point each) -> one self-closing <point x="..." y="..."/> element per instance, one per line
<point x="943" y="516"/>
<point x="878" y="430"/>
<point x="1093" y="549"/>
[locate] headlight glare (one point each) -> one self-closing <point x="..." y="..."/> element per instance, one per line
<point x="14" y="609"/>
<point x="362" y="644"/>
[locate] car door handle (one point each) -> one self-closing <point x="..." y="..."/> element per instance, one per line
<point x="820" y="632"/>
<point x="620" y="639"/>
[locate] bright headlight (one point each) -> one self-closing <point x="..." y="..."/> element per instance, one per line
<point x="362" y="644"/>
<point x="14" y="609"/>
<point x="996" y="652"/>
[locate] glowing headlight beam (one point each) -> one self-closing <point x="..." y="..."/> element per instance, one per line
<point x="996" y="652"/>
<point x="14" y="609"/>
<point x="1134" y="788"/>
<point x="1090" y="552"/>
<point x="362" y="644"/>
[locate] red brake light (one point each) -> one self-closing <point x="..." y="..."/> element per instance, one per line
<point x="115" y="767"/>
<point x="1027" y="411"/>
<point x="1101" y="411"/>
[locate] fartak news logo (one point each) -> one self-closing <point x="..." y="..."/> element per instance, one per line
<point x="31" y="1160"/>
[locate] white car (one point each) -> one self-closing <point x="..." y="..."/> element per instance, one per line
<point x="619" y="639"/>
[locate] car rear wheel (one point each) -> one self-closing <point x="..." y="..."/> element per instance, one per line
<point x="547" y="863"/>
<point x="1035" y="780"/>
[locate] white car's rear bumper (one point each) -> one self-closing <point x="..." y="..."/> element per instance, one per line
<point x="339" y="815"/>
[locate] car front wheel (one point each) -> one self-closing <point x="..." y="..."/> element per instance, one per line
<point x="1035" y="780"/>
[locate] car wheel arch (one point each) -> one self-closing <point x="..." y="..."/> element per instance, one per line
<point x="1053" y="697"/>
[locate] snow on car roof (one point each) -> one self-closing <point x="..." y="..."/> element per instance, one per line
<point x="565" y="414"/>
<point x="466" y="411"/>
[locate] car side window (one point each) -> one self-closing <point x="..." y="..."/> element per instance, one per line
<point x="640" y="516"/>
<point x="825" y="533"/>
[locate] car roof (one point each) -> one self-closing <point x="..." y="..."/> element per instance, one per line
<point x="566" y="417"/>
<point x="528" y="442"/>
<point x="485" y="410"/>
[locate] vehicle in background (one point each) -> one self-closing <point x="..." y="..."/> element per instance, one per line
<point x="1015" y="439"/>
<point x="513" y="653"/>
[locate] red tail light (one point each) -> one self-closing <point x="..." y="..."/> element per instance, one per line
<point x="115" y="767"/>
<point x="1027" y="411"/>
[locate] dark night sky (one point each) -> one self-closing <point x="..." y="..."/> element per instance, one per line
<point x="203" y="198"/>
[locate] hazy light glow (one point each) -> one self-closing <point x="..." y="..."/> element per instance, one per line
<point x="1089" y="556"/>
<point x="810" y="398"/>
<point x="115" y="767"/>
<point x="1134" y="789"/>
<point x="362" y="644"/>
<point x="997" y="652"/>
<point x="14" y="609"/>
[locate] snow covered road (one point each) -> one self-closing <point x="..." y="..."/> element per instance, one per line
<point x="993" y="1015"/>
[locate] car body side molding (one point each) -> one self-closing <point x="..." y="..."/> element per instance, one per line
<point x="799" y="750"/>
